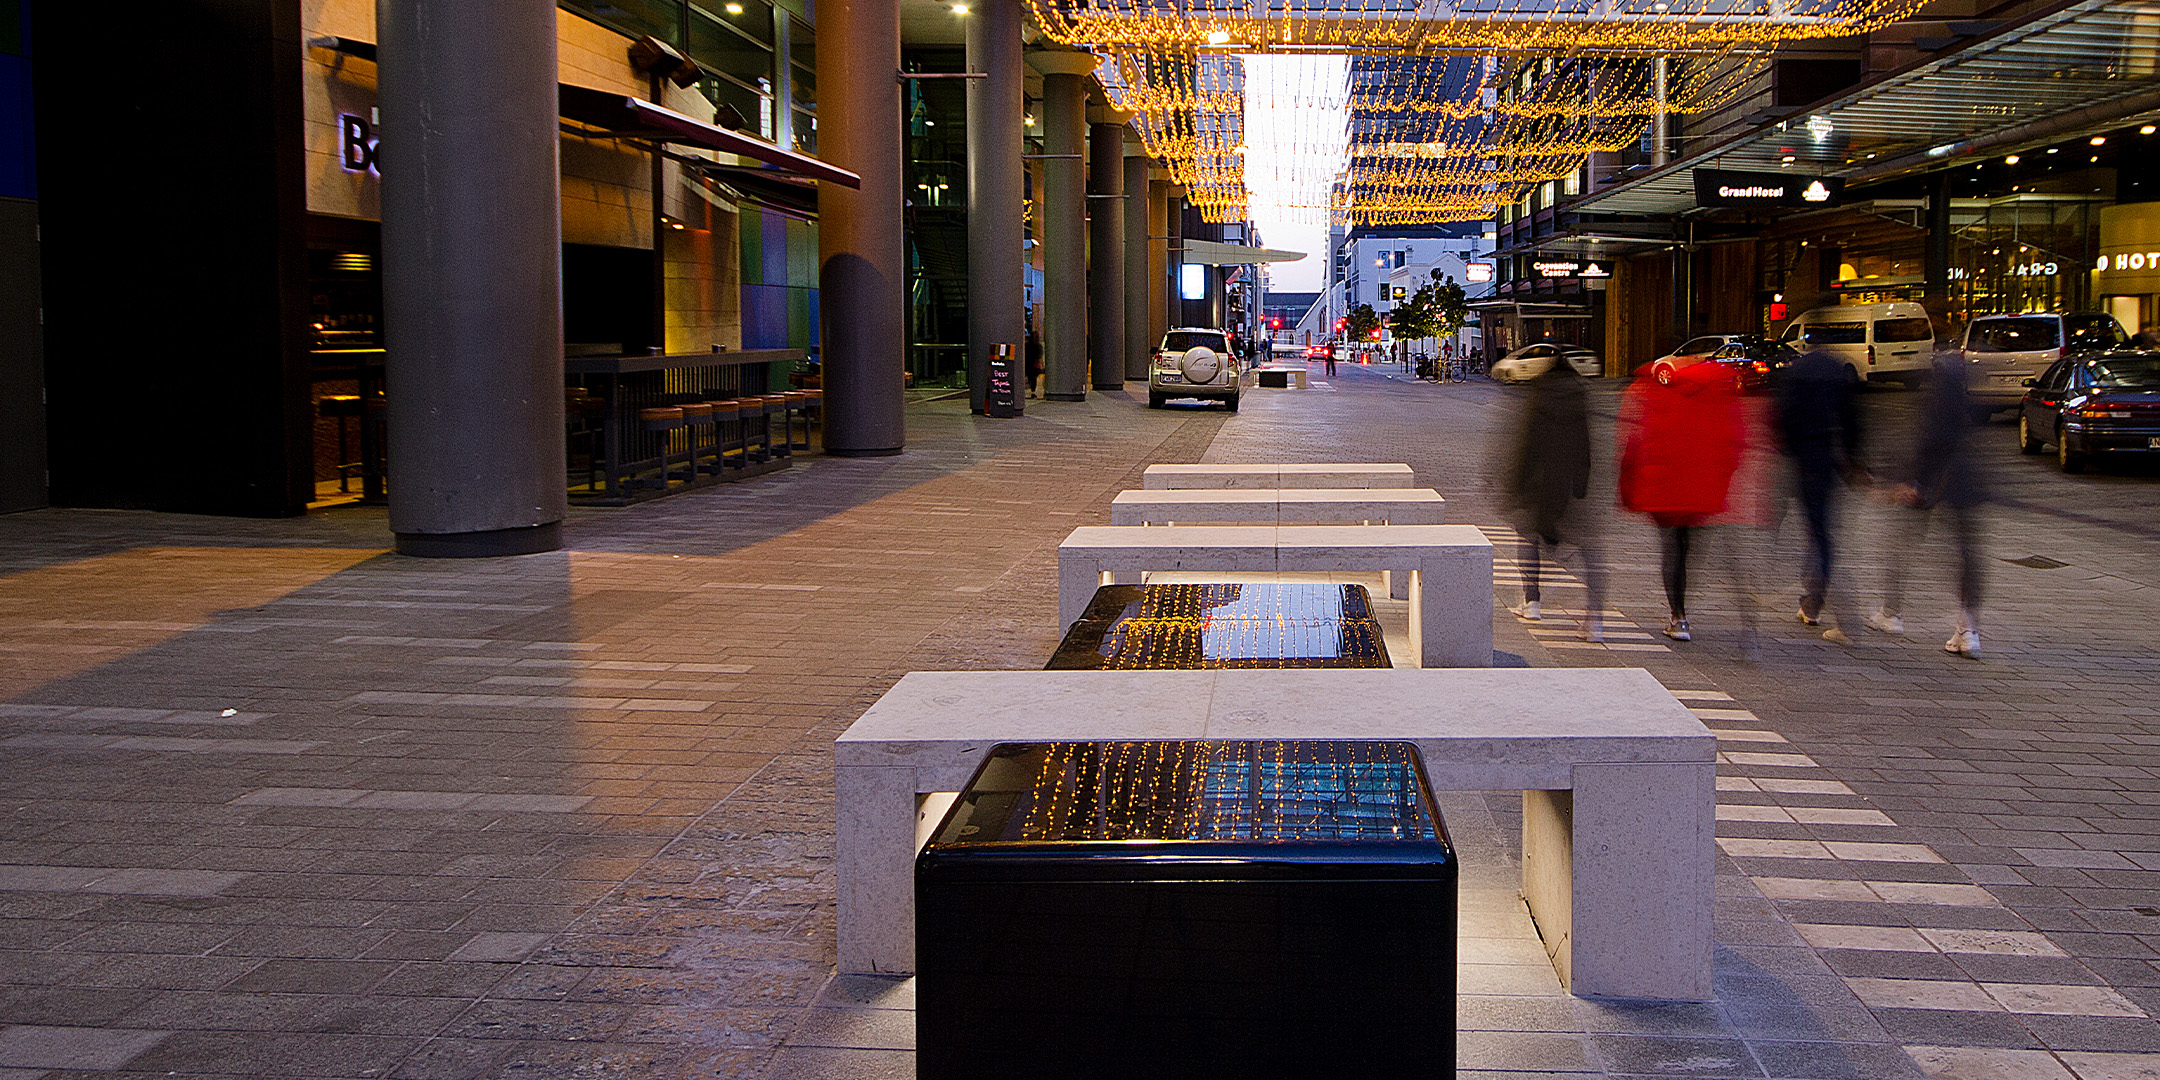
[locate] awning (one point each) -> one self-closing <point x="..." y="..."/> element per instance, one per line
<point x="633" y="117"/>
<point x="1210" y="253"/>
<point x="2076" y="69"/>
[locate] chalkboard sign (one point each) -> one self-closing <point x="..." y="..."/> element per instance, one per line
<point x="1002" y="398"/>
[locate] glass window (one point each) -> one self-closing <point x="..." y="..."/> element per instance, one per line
<point x="1838" y="333"/>
<point x="2056" y="376"/>
<point x="2094" y="332"/>
<point x="1904" y="330"/>
<point x="2125" y="371"/>
<point x="1702" y="346"/>
<point x="1181" y="340"/>
<point x="659" y="18"/>
<point x="2013" y="335"/>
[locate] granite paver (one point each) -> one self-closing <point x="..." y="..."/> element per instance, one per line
<point x="279" y="803"/>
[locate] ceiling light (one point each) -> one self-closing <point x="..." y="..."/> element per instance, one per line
<point x="2099" y="140"/>
<point x="2147" y="130"/>
<point x="2053" y="150"/>
<point x="959" y="9"/>
<point x="2011" y="160"/>
<point x="733" y="9"/>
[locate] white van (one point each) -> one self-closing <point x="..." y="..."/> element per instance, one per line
<point x="1876" y="342"/>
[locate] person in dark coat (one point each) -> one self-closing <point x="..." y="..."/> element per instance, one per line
<point x="1034" y="364"/>
<point x="1818" y="416"/>
<point x="1549" y="475"/>
<point x="1943" y="479"/>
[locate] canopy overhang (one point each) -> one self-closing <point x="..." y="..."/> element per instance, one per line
<point x="630" y="117"/>
<point x="1211" y="253"/>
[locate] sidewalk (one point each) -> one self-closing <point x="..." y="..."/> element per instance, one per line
<point x="281" y="804"/>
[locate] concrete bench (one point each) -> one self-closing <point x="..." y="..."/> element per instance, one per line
<point x="1177" y="477"/>
<point x="1449" y="569"/>
<point x="1618" y="780"/>
<point x="1292" y="506"/>
<point x="1284" y="376"/>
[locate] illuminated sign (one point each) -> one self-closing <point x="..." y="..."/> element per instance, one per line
<point x="1594" y="270"/>
<point x="1477" y="272"/>
<point x="1724" y="187"/>
<point x="1557" y="268"/>
<point x="1192" y="281"/>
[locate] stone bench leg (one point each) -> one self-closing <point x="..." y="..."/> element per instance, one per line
<point x="1451" y="609"/>
<point x="1078" y="578"/>
<point x="1618" y="876"/>
<point x="874" y="857"/>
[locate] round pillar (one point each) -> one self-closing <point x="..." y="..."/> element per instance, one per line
<point x="472" y="277"/>
<point x="996" y="201"/>
<point x="1138" y="344"/>
<point x="1063" y="214"/>
<point x="862" y="260"/>
<point x="1106" y="248"/>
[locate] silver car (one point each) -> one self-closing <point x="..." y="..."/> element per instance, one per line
<point x="1194" y="362"/>
<point x="2003" y="351"/>
<point x="1531" y="361"/>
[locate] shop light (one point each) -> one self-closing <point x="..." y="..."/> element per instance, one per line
<point x="2098" y="140"/>
<point x="2011" y="160"/>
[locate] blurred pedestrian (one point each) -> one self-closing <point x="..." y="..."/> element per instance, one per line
<point x="1942" y="480"/>
<point x="1330" y="354"/>
<point x="1034" y="364"/>
<point x="1549" y="476"/>
<point x="1680" y="443"/>
<point x="2147" y="338"/>
<point x="1818" y="415"/>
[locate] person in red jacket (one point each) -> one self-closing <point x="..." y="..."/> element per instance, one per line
<point x="1680" y="442"/>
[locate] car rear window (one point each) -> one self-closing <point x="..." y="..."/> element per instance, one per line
<point x="1835" y="333"/>
<point x="1904" y="330"/>
<point x="2094" y="331"/>
<point x="2013" y="335"/>
<point x="1181" y="340"/>
<point x="2128" y="371"/>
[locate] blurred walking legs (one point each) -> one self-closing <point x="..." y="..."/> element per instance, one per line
<point x="1673" y="549"/>
<point x="1816" y="490"/>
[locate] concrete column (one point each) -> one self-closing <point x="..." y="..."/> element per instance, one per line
<point x="1138" y="200"/>
<point x="1063" y="213"/>
<point x="1158" y="259"/>
<point x="995" y="114"/>
<point x="862" y="261"/>
<point x="1106" y="247"/>
<point x="1173" y="255"/>
<point x="472" y="276"/>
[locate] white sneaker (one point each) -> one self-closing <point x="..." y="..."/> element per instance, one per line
<point x="1886" y="622"/>
<point x="1964" y="643"/>
<point x="1528" y="611"/>
<point x="1836" y="636"/>
<point x="1677" y="630"/>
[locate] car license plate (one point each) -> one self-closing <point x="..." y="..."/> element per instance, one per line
<point x="2013" y="377"/>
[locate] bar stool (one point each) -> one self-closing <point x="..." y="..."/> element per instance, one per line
<point x="752" y="436"/>
<point x="815" y="410"/>
<point x="777" y="405"/>
<point x="698" y="419"/>
<point x="344" y="408"/>
<point x="665" y="420"/>
<point x="798" y="405"/>
<point x="727" y="435"/>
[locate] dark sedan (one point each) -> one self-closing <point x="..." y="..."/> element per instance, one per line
<point x="2093" y="404"/>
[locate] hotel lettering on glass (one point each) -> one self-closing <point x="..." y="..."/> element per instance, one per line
<point x="1725" y="187"/>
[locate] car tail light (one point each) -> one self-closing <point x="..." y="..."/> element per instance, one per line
<point x="1871" y="354"/>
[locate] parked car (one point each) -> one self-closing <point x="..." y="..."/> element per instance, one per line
<point x="1876" y="342"/>
<point x="1693" y="350"/>
<point x="2091" y="404"/>
<point x="2006" y="350"/>
<point x="1194" y="362"/>
<point x="1754" y="361"/>
<point x="1531" y="361"/>
<point x="1319" y="352"/>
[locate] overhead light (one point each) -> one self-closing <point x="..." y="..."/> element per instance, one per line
<point x="1820" y="127"/>
<point x="1030" y="118"/>
<point x="959" y="9"/>
<point x="733" y="9"/>
<point x="1218" y="37"/>
<point x="2147" y="130"/>
<point x="2054" y="150"/>
<point x="1787" y="159"/>
<point x="675" y="225"/>
<point x="2098" y="140"/>
<point x="2011" y="160"/>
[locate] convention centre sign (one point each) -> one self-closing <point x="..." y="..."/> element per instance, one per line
<point x="1727" y="187"/>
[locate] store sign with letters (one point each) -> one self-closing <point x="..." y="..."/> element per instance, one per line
<point x="1580" y="269"/>
<point x="1725" y="187"/>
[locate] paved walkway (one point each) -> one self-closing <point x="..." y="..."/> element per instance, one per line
<point x="281" y="804"/>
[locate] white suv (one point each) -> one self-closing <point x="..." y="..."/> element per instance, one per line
<point x="1193" y="362"/>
